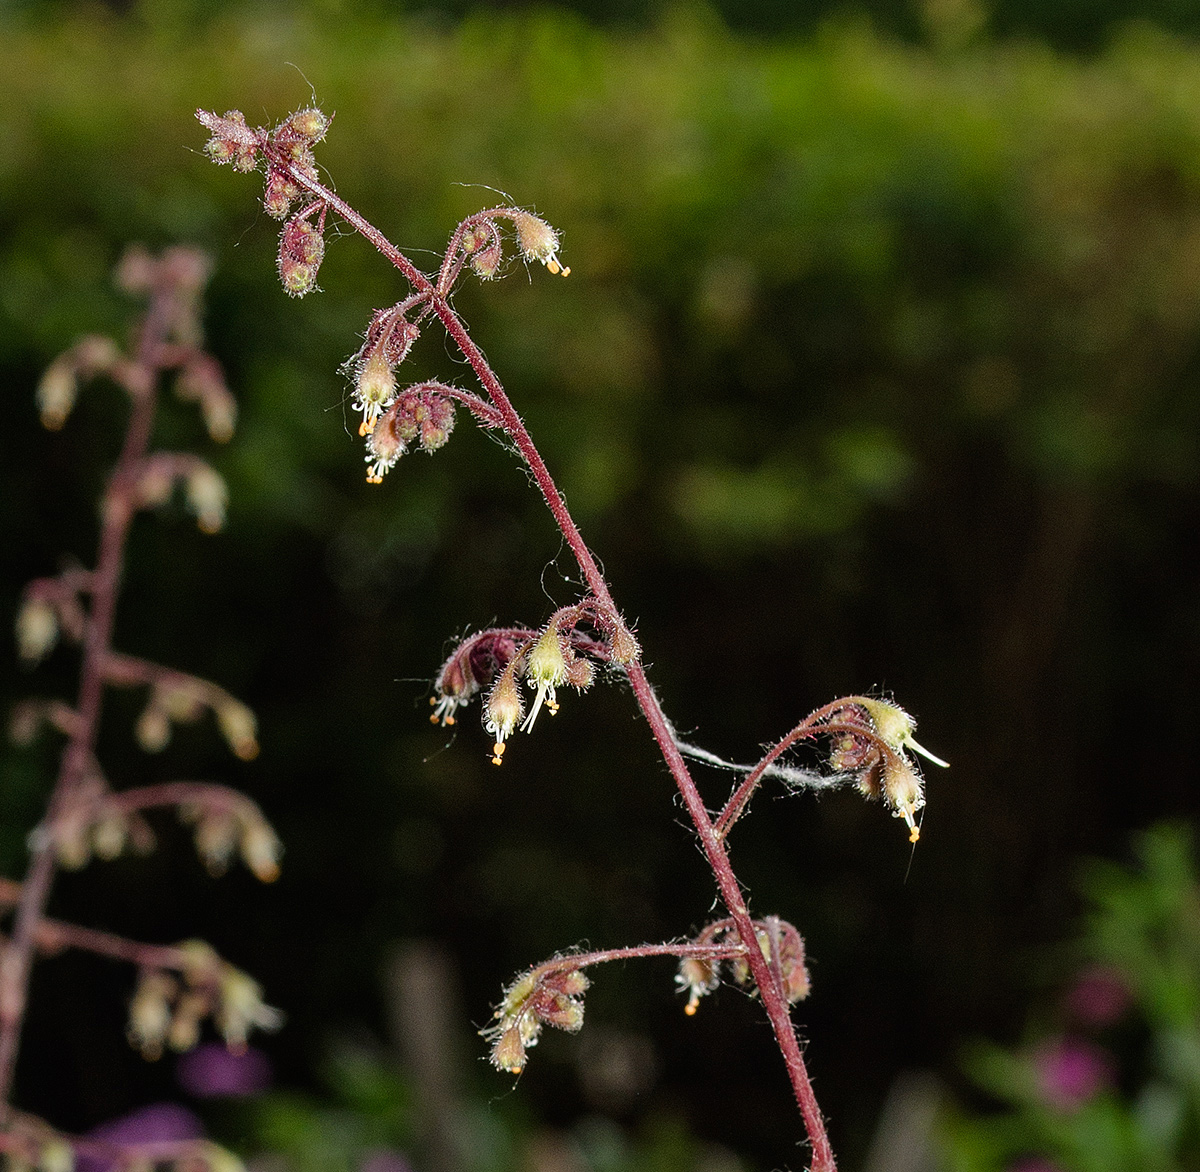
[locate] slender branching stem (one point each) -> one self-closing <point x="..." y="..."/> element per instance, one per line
<point x="117" y="509"/>
<point x="770" y="990"/>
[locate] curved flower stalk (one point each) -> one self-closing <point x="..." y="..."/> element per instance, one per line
<point x="181" y="985"/>
<point x="524" y="669"/>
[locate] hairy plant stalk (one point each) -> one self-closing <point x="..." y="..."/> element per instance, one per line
<point x="773" y="999"/>
<point x="117" y="510"/>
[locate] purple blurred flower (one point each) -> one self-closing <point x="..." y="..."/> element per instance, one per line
<point x="384" y="1160"/>
<point x="1070" y="1071"/>
<point x="158" y="1123"/>
<point x="1099" y="997"/>
<point x="212" y="1071"/>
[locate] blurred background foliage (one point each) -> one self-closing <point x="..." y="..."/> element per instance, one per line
<point x="876" y="369"/>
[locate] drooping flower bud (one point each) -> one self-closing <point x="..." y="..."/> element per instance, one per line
<point x="374" y="390"/>
<point x="207" y="496"/>
<point x="56" y="394"/>
<point x="903" y="791"/>
<point x="895" y="727"/>
<point x="699" y="976"/>
<point x="538" y="241"/>
<point x="533" y="1000"/>
<point x="503" y="710"/>
<point x="309" y="124"/>
<point x="483" y="245"/>
<point x="278" y="194"/>
<point x="623" y="647"/>
<point x="261" y="849"/>
<point x="301" y="250"/>
<point x="150" y="1011"/>
<point x="239" y="727"/>
<point x="545" y="670"/>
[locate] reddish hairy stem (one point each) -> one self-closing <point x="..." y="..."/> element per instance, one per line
<point x="117" y="511"/>
<point x="772" y="996"/>
<point x="773" y="999"/>
<point x="583" y="960"/>
<point x="739" y="799"/>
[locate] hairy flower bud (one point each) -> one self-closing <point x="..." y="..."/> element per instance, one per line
<point x="533" y="1000"/>
<point x="374" y="390"/>
<point x="301" y="250"/>
<point x="150" y="1011"/>
<point x="699" y="976"/>
<point x="109" y="836"/>
<point x="216" y="837"/>
<point x="503" y="710"/>
<point x="261" y="850"/>
<point x="278" y="194"/>
<point x="545" y="670"/>
<point x="239" y="727"/>
<point x="484" y="246"/>
<point x="56" y="393"/>
<point x="309" y="124"/>
<point x="538" y="241"/>
<point x="623" y="647"/>
<point x="242" y="1008"/>
<point x="153" y="728"/>
<point x="895" y="727"/>
<point x="903" y="792"/>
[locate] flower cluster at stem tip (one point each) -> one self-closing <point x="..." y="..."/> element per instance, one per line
<point x="391" y="419"/>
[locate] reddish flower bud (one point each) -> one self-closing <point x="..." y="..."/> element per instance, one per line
<point x="278" y="195"/>
<point x="486" y="250"/>
<point x="301" y="249"/>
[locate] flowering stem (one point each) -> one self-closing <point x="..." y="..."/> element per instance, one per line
<point x="773" y="999"/>
<point x="117" y="508"/>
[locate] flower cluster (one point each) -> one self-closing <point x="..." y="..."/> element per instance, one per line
<point x="872" y="741"/>
<point x="237" y="826"/>
<point x="169" y="1007"/>
<point x="563" y="653"/>
<point x="301" y="243"/>
<point x="781" y="944"/>
<point x="481" y="242"/>
<point x="551" y="994"/>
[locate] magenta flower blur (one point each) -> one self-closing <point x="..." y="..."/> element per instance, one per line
<point x="213" y="1071"/>
<point x="1070" y="1071"/>
<point x="1099" y="997"/>
<point x="384" y="1160"/>
<point x="159" y="1123"/>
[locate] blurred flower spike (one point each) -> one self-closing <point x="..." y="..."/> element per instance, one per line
<point x="876" y="756"/>
<point x="550" y="995"/>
